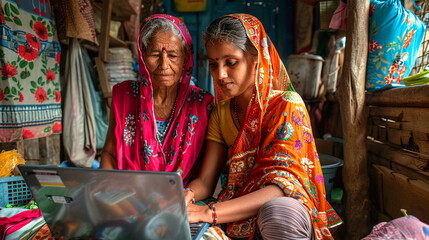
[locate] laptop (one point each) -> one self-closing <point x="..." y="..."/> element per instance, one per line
<point x="87" y="203"/>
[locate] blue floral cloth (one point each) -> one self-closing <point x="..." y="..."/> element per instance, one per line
<point x="395" y="35"/>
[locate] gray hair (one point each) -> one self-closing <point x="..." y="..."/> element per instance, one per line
<point x="231" y="30"/>
<point x="155" y="26"/>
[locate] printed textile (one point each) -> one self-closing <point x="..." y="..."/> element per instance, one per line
<point x="20" y="223"/>
<point x="407" y="227"/>
<point x="395" y="35"/>
<point x="275" y="144"/>
<point x="137" y="145"/>
<point x="30" y="99"/>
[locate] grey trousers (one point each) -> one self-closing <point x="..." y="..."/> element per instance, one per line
<point x="284" y="218"/>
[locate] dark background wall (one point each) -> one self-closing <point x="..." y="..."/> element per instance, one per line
<point x="276" y="16"/>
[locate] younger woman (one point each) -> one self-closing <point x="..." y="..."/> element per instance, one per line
<point x="262" y="134"/>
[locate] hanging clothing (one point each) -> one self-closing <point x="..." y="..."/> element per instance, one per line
<point x="275" y="144"/>
<point x="30" y="99"/>
<point x="136" y="130"/>
<point x="338" y="20"/>
<point x="98" y="102"/>
<point x="79" y="136"/>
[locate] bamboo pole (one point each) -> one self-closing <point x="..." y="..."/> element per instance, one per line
<point x="351" y="96"/>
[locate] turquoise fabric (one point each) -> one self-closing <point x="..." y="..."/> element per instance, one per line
<point x="98" y="103"/>
<point x="395" y="35"/>
<point x="162" y="125"/>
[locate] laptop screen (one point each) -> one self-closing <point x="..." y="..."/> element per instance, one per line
<point x="109" y="204"/>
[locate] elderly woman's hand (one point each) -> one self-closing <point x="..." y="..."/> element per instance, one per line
<point x="197" y="213"/>
<point x="189" y="196"/>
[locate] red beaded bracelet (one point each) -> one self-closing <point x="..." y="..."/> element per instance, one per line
<point x="214" y="216"/>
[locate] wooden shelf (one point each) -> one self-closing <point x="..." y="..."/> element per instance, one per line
<point x="415" y="96"/>
<point x="121" y="10"/>
<point x="116" y="42"/>
<point x="111" y="10"/>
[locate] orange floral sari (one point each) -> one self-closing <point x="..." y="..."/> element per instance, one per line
<point x="275" y="144"/>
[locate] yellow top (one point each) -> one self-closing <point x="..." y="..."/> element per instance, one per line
<point x="221" y="126"/>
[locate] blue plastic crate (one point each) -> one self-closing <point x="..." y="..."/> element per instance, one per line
<point x="14" y="190"/>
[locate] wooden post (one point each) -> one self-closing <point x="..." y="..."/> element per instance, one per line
<point x="351" y="96"/>
<point x="103" y="52"/>
<point x="105" y="29"/>
<point x="104" y="82"/>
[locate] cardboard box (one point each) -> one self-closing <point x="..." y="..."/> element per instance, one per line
<point x="397" y="191"/>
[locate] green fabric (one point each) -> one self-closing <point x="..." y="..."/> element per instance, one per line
<point x="205" y="201"/>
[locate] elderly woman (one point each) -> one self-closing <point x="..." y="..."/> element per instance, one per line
<point x="262" y="134"/>
<point x="159" y="123"/>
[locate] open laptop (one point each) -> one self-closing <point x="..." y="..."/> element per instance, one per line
<point x="86" y="203"/>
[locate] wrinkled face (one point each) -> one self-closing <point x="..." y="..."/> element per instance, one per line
<point x="165" y="59"/>
<point x="232" y="69"/>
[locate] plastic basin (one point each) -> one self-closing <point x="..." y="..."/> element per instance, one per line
<point x="330" y="165"/>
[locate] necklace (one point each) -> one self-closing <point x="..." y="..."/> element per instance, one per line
<point x="160" y="135"/>
<point x="236" y="112"/>
<point x="235" y="108"/>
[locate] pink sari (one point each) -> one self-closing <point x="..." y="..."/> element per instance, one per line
<point x="132" y="102"/>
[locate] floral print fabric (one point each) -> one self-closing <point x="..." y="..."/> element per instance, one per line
<point x="137" y="145"/>
<point x="395" y="35"/>
<point x="275" y="145"/>
<point x="30" y="99"/>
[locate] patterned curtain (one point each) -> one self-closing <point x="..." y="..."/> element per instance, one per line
<point x="30" y="99"/>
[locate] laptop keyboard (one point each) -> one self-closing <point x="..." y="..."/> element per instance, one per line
<point x="198" y="229"/>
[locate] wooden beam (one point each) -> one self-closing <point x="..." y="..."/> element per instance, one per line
<point x="411" y="164"/>
<point x="406" y="119"/>
<point x="104" y="83"/>
<point x="105" y="29"/>
<point x="351" y="96"/>
<point x="415" y="96"/>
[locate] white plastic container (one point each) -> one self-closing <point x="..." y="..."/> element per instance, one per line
<point x="305" y="71"/>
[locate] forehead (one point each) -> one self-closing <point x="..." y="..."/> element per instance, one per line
<point x="219" y="49"/>
<point x="165" y="39"/>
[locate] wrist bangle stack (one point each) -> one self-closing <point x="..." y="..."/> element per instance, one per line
<point x="214" y="216"/>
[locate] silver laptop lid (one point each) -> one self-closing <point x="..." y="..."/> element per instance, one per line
<point x="109" y="204"/>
